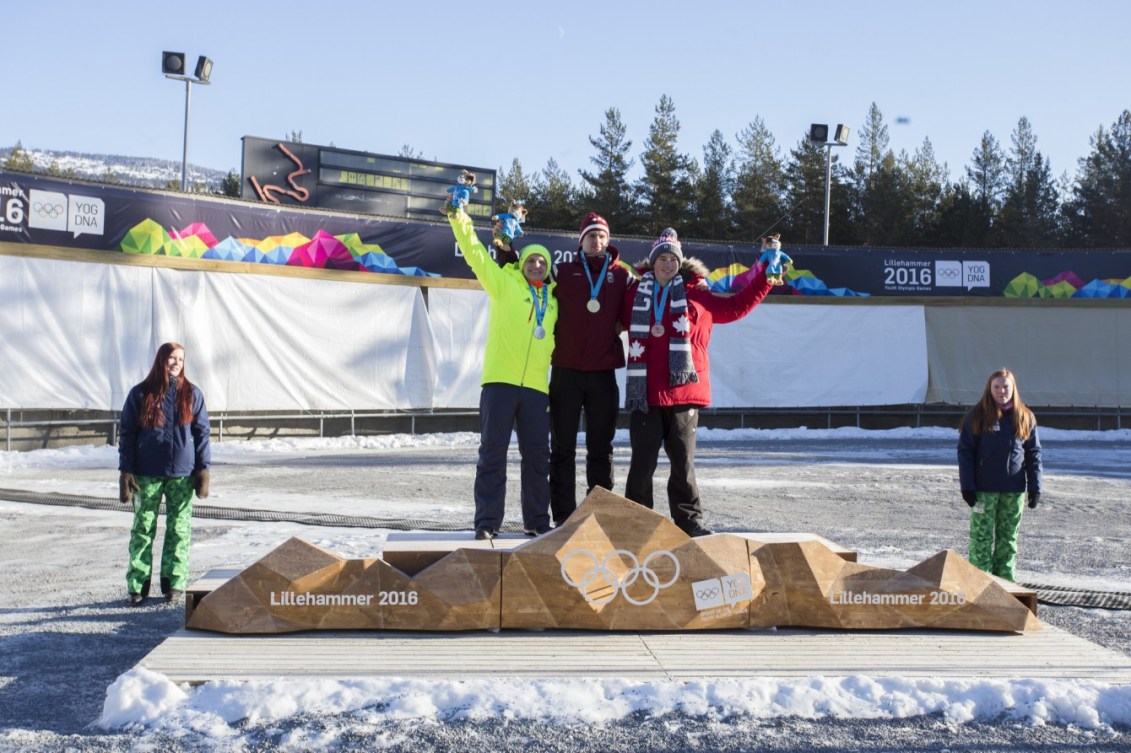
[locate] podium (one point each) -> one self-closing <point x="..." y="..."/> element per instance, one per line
<point x="613" y="566"/>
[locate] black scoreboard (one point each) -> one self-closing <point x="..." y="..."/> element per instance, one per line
<point x="298" y="174"/>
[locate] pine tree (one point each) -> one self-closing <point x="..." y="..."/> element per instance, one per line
<point x="759" y="183"/>
<point x="609" y="192"/>
<point x="986" y="176"/>
<point x="877" y="196"/>
<point x="1029" y="215"/>
<point x="513" y="185"/>
<point x="19" y="160"/>
<point x="665" y="189"/>
<point x="1099" y="212"/>
<point x="962" y="221"/>
<point x="872" y="149"/>
<point x="553" y="201"/>
<point x="57" y="172"/>
<point x="714" y="217"/>
<point x="885" y="204"/>
<point x="230" y="186"/>
<point x="926" y="180"/>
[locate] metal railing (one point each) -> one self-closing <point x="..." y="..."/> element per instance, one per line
<point x="218" y="420"/>
<point x="909" y="415"/>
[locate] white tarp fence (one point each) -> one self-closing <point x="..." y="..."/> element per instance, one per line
<point x="78" y="335"/>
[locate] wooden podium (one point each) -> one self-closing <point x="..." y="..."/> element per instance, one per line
<point x="614" y="565"/>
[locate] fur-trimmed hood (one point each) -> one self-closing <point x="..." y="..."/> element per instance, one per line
<point x="691" y="270"/>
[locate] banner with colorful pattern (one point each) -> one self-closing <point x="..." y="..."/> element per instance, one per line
<point x="41" y="210"/>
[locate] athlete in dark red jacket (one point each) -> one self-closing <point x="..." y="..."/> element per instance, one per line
<point x="591" y="291"/>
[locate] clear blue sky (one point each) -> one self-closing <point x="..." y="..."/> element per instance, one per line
<point x="483" y="83"/>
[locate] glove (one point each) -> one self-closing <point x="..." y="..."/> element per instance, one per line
<point x="127" y="487"/>
<point x="969" y="497"/>
<point x="200" y="482"/>
<point x="1034" y="498"/>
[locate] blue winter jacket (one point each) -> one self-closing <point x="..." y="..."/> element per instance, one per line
<point x="997" y="461"/>
<point x="167" y="451"/>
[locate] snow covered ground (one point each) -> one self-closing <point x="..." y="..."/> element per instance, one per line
<point x="68" y="643"/>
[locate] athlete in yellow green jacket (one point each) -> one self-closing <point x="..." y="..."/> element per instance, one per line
<point x="516" y="368"/>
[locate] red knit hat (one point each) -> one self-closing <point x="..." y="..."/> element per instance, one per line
<point x="593" y="221"/>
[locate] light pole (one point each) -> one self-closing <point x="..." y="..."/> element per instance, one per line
<point x="173" y="66"/>
<point x="819" y="134"/>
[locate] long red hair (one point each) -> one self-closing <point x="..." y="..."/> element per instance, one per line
<point x="986" y="412"/>
<point x="156" y="384"/>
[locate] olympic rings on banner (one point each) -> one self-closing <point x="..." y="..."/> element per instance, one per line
<point x="49" y="210"/>
<point x="599" y="572"/>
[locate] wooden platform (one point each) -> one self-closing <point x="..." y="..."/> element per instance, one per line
<point x="412" y="551"/>
<point x="197" y="657"/>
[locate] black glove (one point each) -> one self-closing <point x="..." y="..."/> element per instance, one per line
<point x="200" y="482"/>
<point x="127" y="487"/>
<point x="969" y="497"/>
<point x="1034" y="498"/>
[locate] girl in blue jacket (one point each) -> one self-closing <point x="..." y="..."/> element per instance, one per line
<point x="162" y="452"/>
<point x="999" y="458"/>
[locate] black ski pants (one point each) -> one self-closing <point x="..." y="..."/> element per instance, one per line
<point x="673" y="428"/>
<point x="572" y="393"/>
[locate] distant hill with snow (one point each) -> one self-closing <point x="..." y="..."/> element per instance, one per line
<point x="133" y="171"/>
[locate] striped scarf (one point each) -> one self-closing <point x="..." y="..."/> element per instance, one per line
<point x="680" y="366"/>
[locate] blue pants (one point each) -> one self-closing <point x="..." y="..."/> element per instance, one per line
<point x="504" y="408"/>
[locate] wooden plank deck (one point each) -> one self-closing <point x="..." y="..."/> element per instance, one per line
<point x="197" y="657"/>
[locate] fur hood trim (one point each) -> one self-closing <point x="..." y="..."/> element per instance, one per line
<point x="691" y="270"/>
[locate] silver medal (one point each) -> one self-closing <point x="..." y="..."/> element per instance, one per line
<point x="594" y="305"/>
<point x="539" y="332"/>
<point x="657" y="330"/>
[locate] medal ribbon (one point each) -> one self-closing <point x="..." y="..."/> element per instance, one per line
<point x="595" y="288"/>
<point x="539" y="310"/>
<point x="658" y="303"/>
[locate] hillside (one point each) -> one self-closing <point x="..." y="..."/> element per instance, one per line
<point x="134" y="171"/>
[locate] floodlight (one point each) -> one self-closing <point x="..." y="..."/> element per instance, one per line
<point x="173" y="63"/>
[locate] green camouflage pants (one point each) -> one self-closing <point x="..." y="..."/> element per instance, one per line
<point x="994" y="522"/>
<point x="178" y="524"/>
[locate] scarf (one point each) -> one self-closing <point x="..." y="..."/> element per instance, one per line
<point x="681" y="369"/>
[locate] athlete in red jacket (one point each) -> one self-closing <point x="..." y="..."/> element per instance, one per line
<point x="669" y="321"/>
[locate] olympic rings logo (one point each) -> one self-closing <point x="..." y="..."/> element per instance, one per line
<point x="48" y="210"/>
<point x="948" y="272"/>
<point x="600" y="576"/>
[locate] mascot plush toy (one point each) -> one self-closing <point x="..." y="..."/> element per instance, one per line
<point x="508" y="225"/>
<point x="459" y="195"/>
<point x="773" y="257"/>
